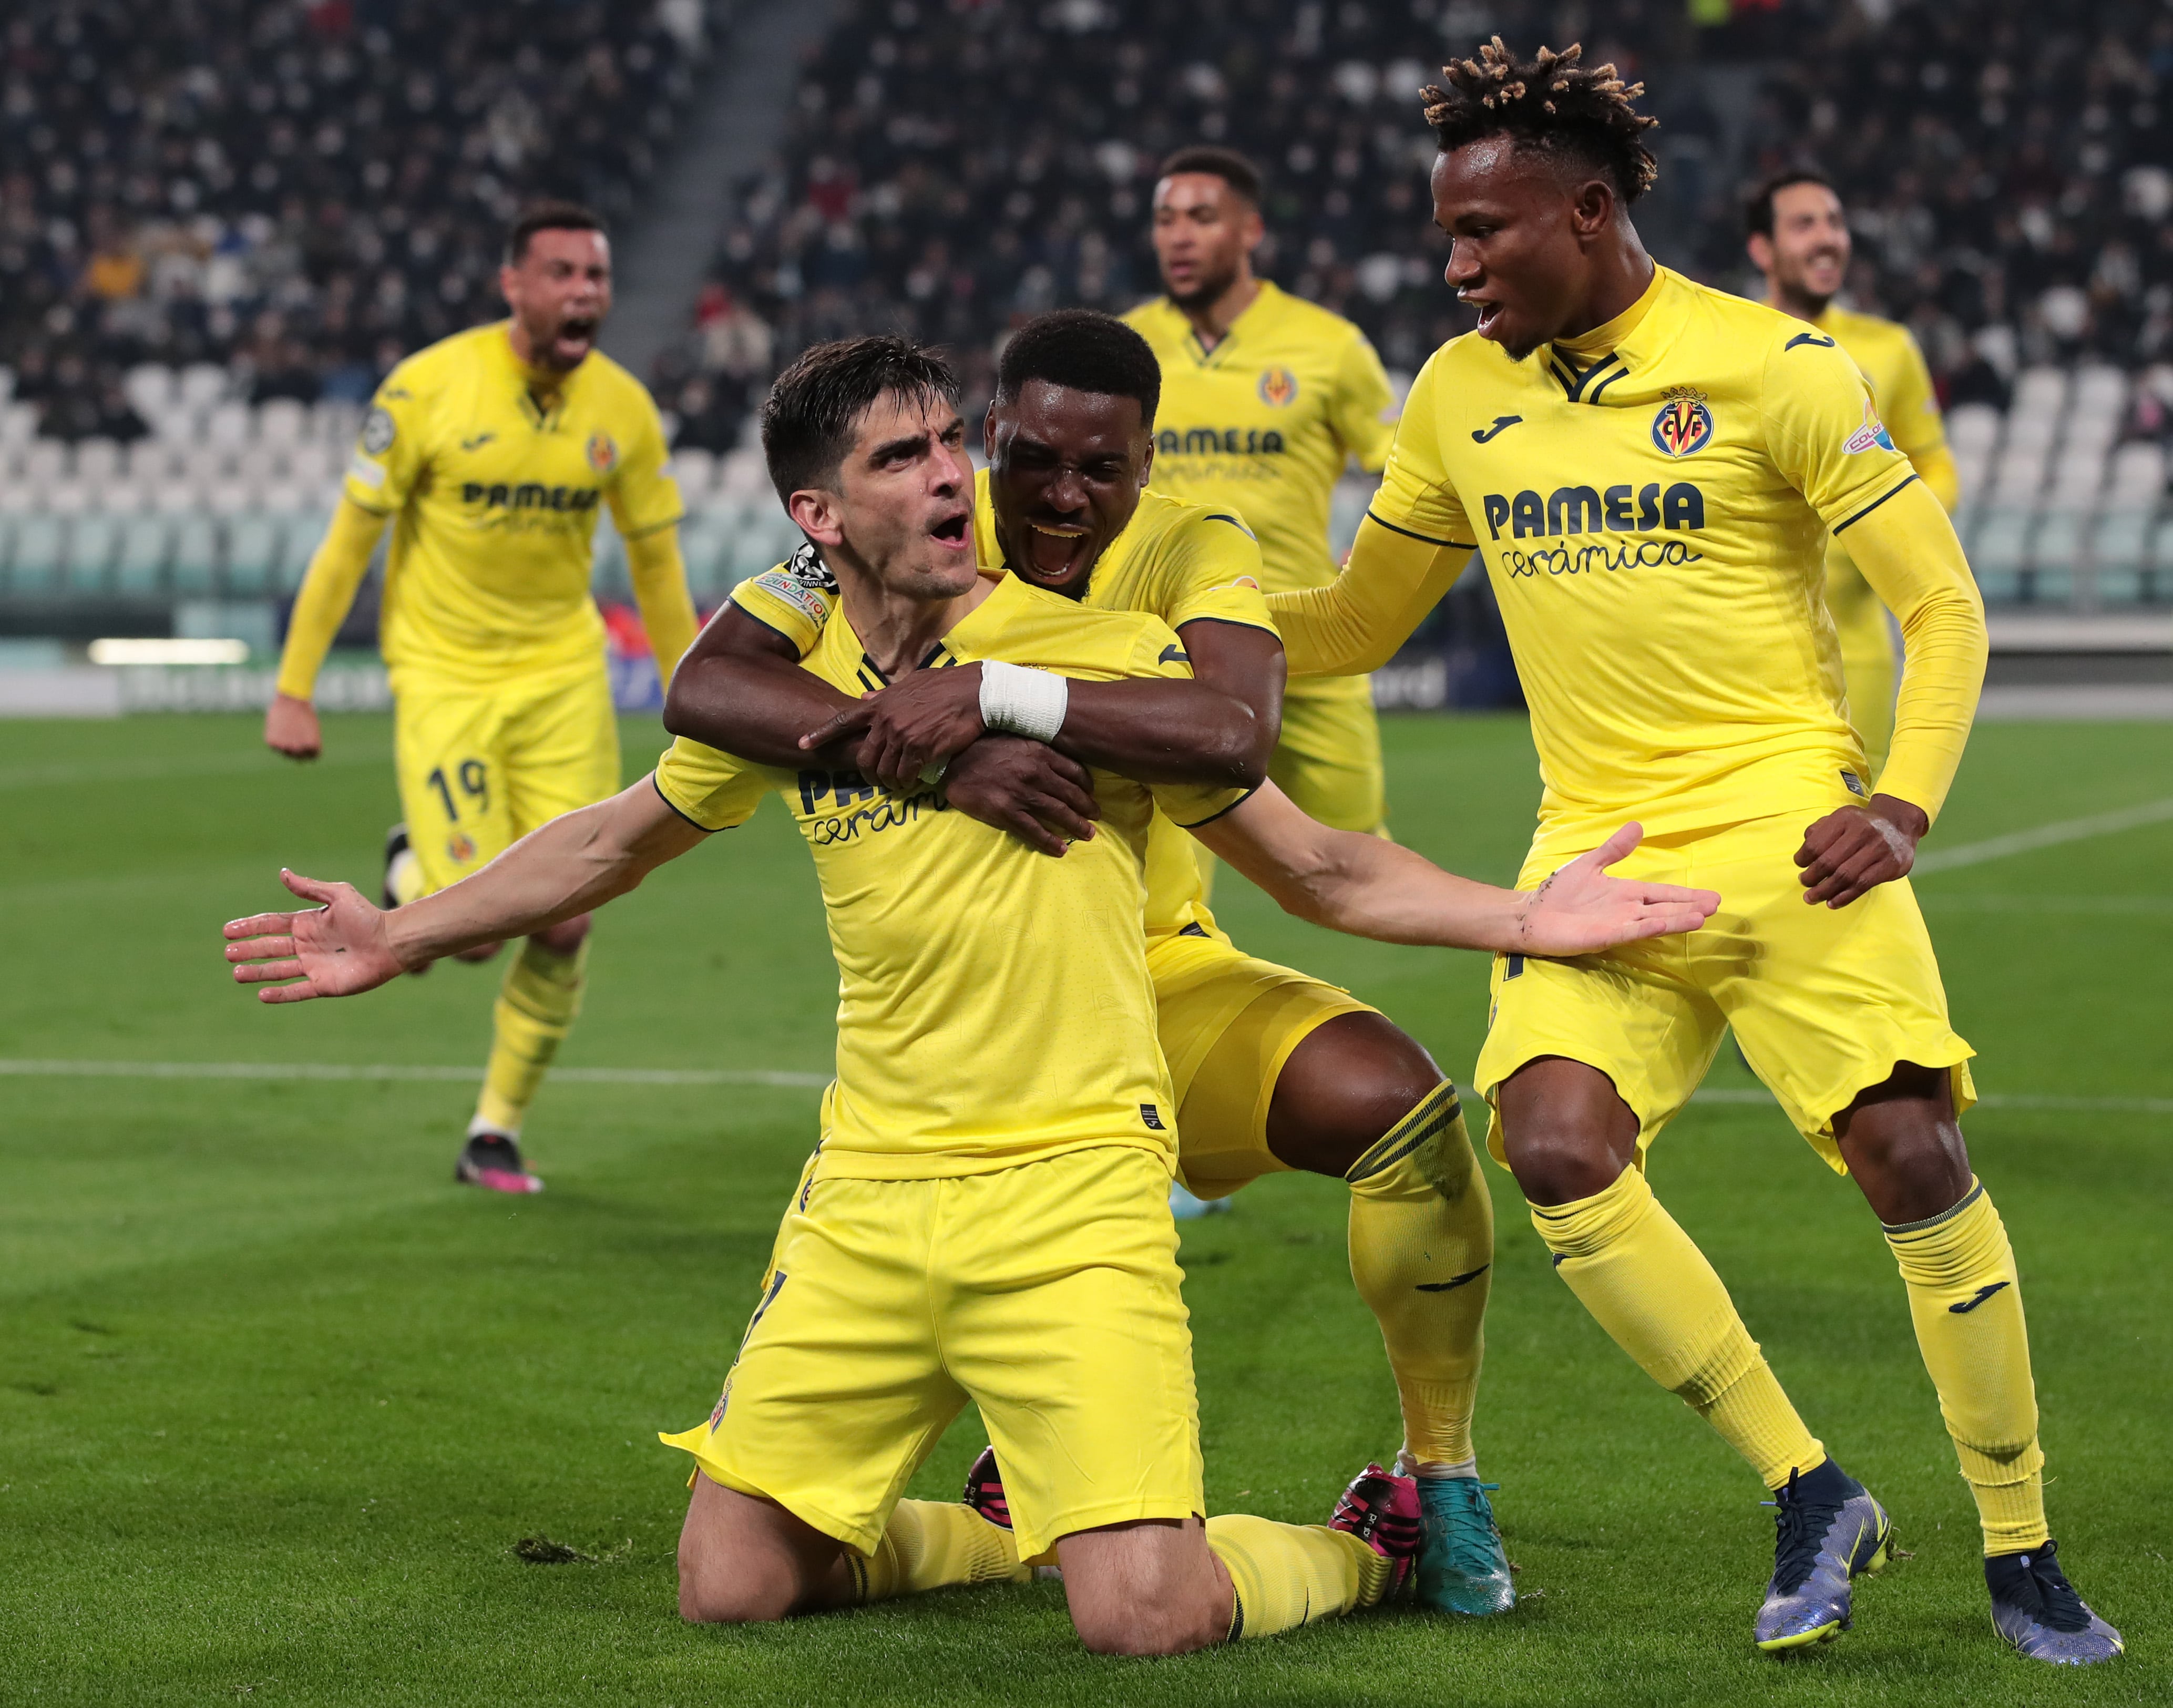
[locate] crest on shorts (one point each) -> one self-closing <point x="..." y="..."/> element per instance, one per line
<point x="1683" y="424"/>
<point x="1872" y="432"/>
<point x="462" y="846"/>
<point x="603" y="452"/>
<point x="1278" y="387"/>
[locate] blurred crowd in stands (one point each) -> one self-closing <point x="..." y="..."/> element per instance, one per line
<point x="300" y="191"/>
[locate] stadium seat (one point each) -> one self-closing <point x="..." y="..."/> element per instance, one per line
<point x="253" y="542"/>
<point x="1998" y="551"/>
<point x="608" y="577"/>
<point x="194" y="573"/>
<point x="695" y="471"/>
<point x="304" y="529"/>
<point x="1973" y="426"/>
<point x="97" y="461"/>
<point x="93" y="542"/>
<point x="33" y="566"/>
<point x="703" y="540"/>
<point x="200" y="386"/>
<point x="2057" y="546"/>
<point x="139" y="567"/>
<point x="2040" y="394"/>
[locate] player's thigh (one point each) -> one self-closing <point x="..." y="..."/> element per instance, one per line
<point x="448" y="744"/>
<point x="562" y="749"/>
<point x="1228" y="1023"/>
<point x="1633" y="1013"/>
<point x="1825" y="1001"/>
<point x="839" y="1391"/>
<point x="1329" y="757"/>
<point x="1061" y="1315"/>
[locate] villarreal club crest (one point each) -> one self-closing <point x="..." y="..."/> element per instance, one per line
<point x="1683" y="424"/>
<point x="1278" y="388"/>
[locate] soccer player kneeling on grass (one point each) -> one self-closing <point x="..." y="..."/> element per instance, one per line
<point x="1650" y="470"/>
<point x="987" y="1217"/>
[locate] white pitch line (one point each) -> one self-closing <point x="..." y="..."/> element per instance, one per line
<point x="1974" y="853"/>
<point x="1991" y="1099"/>
<point x="400" y="1071"/>
<point x="159" y="770"/>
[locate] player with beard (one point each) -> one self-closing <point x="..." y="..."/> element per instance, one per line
<point x="1266" y="398"/>
<point x="1799" y="239"/>
<point x="1650" y="470"/>
<point x="493" y="450"/>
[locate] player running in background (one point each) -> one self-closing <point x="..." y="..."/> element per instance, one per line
<point x="1650" y="470"/>
<point x="490" y="452"/>
<point x="1266" y="398"/>
<point x="985" y="1218"/>
<point x="1272" y="1071"/>
<point x="1799" y="239"/>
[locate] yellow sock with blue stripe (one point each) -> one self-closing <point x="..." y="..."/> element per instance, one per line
<point x="1422" y="1255"/>
<point x="1636" y="1271"/>
<point x="1965" y="1300"/>
<point x="934" y="1545"/>
<point x="536" y="1006"/>
<point x="1290" y="1575"/>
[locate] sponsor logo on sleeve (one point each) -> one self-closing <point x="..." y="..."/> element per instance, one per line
<point x="370" y="474"/>
<point x="1242" y="581"/>
<point x="806" y="601"/>
<point x="1683" y="424"/>
<point x="1872" y="432"/>
<point x="378" y="432"/>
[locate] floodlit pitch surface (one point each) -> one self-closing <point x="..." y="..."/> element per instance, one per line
<point x="278" y="1401"/>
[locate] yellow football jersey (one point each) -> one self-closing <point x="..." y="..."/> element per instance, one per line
<point x="1894" y="368"/>
<point x="1178" y="562"/>
<point x="1651" y="501"/>
<point x="494" y="472"/>
<point x="994" y="1004"/>
<point x="1263" y="422"/>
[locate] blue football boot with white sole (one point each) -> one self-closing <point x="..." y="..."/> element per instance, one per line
<point x="2036" y="1609"/>
<point x="1461" y="1569"/>
<point x="1829" y="1531"/>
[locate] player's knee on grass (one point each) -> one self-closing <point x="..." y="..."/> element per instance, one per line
<point x="1152" y="1587"/>
<point x="1567" y="1132"/>
<point x="1903" y="1145"/>
<point x="745" y="1562"/>
<point x="1348" y="1082"/>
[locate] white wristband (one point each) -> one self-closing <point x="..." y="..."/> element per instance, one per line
<point x="1021" y="701"/>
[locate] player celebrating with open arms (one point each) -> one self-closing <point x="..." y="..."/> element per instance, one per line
<point x="1649" y="470"/>
<point x="490" y="452"/>
<point x="986" y="1219"/>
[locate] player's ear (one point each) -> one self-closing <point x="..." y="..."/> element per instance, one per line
<point x="1761" y="249"/>
<point x="989" y="432"/>
<point x="817" y="515"/>
<point x="1591" y="209"/>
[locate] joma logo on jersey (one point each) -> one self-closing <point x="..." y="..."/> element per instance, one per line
<point x="1683" y="423"/>
<point x="529" y="495"/>
<point x="1590" y="510"/>
<point x="1219" y="441"/>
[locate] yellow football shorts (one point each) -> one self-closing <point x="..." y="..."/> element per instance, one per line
<point x="1329" y="760"/>
<point x="1047" y="1294"/>
<point x="479" y="768"/>
<point x="1824" y="1002"/>
<point x="1229" y="1022"/>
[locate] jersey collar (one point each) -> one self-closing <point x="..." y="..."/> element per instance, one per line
<point x="1255" y="315"/>
<point x="528" y="381"/>
<point x="1585" y="366"/>
<point x="955" y="645"/>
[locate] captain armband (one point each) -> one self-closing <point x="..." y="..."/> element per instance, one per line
<point x="1018" y="700"/>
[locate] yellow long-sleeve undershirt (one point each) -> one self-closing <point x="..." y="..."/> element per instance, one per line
<point x="343" y="558"/>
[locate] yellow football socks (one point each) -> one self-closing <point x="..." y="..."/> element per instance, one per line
<point x="1289" y="1575"/>
<point x="936" y="1544"/>
<point x="536" y="1005"/>
<point x="1636" y="1271"/>
<point x="1422" y="1254"/>
<point x="1967" y="1302"/>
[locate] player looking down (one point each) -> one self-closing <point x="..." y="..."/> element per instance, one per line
<point x="985" y="1219"/>
<point x="1272" y="1071"/>
<point x="1800" y="239"/>
<point x="490" y="453"/>
<point x="1649" y="471"/>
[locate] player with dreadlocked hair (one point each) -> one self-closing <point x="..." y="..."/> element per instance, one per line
<point x="1650" y="470"/>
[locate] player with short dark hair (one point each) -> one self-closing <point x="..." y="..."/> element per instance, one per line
<point x="1266" y="398"/>
<point x="1799" y="239"/>
<point x="1649" y="470"/>
<point x="495" y="449"/>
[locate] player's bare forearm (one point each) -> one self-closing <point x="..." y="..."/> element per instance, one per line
<point x="1219" y="728"/>
<point x="1357" y="622"/>
<point x="1370" y="887"/>
<point x="740" y="689"/>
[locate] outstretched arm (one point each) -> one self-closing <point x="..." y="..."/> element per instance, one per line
<point x="1355" y="623"/>
<point x="345" y="946"/>
<point x="1371" y="887"/>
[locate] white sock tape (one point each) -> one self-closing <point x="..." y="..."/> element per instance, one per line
<point x="1021" y="701"/>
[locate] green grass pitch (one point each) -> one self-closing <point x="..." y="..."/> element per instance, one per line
<point x="277" y="1400"/>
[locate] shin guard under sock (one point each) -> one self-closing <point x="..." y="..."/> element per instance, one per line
<point x="1289" y="1575"/>
<point x="1967" y="1302"/>
<point x="934" y="1545"/>
<point x="1422" y="1255"/>
<point x="1636" y="1271"/>
<point x="536" y="1006"/>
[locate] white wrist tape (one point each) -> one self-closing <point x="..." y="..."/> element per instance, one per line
<point x="1020" y="701"/>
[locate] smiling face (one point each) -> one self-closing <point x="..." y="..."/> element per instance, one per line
<point x="1065" y="471"/>
<point x="559" y="291"/>
<point x="900" y="507"/>
<point x="1806" y="258"/>
<point x="1203" y="231"/>
<point x="1523" y="232"/>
